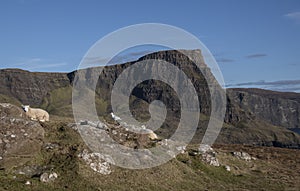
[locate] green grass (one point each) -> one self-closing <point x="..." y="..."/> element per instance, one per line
<point x="185" y="172"/>
<point x="58" y="102"/>
<point x="9" y="99"/>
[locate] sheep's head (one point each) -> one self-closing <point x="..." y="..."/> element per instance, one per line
<point x="25" y="108"/>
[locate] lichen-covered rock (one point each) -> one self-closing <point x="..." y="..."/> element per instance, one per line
<point x="97" y="162"/>
<point x="242" y="155"/>
<point x="48" y="177"/>
<point x="204" y="148"/>
<point x="209" y="156"/>
<point x="31" y="171"/>
<point x="211" y="159"/>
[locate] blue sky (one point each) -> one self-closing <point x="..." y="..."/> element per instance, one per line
<point x="256" y="43"/>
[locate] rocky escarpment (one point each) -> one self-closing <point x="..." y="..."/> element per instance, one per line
<point x="277" y="108"/>
<point x="30" y="87"/>
<point x="150" y="90"/>
<point x="52" y="91"/>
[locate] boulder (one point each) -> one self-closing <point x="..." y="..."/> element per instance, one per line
<point x="242" y="155"/>
<point x="227" y="168"/>
<point x="97" y="162"/>
<point x="211" y="159"/>
<point x="209" y="156"/>
<point x="48" y="177"/>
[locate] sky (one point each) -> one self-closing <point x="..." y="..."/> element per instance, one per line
<point x="256" y="43"/>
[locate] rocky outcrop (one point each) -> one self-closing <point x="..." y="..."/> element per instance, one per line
<point x="208" y="154"/>
<point x="277" y="108"/>
<point x="53" y="92"/>
<point x="20" y="138"/>
<point x="48" y="177"/>
<point x="31" y="171"/>
<point x="243" y="156"/>
<point x="97" y="162"/>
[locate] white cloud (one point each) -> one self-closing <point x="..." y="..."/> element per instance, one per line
<point x="44" y="66"/>
<point x="38" y="64"/>
<point x="294" y="16"/>
<point x="28" y="61"/>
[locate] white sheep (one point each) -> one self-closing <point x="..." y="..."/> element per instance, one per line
<point x="116" y="118"/>
<point x="152" y="136"/>
<point x="36" y="114"/>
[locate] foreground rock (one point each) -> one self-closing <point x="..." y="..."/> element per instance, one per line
<point x="97" y="162"/>
<point x="209" y="156"/>
<point x="20" y="138"/>
<point x="48" y="177"/>
<point x="243" y="156"/>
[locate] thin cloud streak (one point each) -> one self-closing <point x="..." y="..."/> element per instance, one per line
<point x="224" y="60"/>
<point x="38" y="63"/>
<point x="43" y="66"/>
<point x="29" y="61"/>
<point x="258" y="55"/>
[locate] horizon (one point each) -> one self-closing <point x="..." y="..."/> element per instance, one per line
<point x="255" y="43"/>
<point x="133" y="59"/>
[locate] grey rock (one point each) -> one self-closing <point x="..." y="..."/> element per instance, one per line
<point x="17" y="149"/>
<point x="48" y="177"/>
<point x="242" y="155"/>
<point x="278" y="108"/>
<point x="31" y="171"/>
<point x="209" y="156"/>
<point x="227" y="168"/>
<point x="97" y="162"/>
<point x="50" y="146"/>
<point x="204" y="148"/>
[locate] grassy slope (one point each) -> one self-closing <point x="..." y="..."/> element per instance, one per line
<point x="59" y="103"/>
<point x="8" y="99"/>
<point x="275" y="169"/>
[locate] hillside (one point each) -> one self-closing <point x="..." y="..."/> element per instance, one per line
<point x="54" y="157"/>
<point x="253" y="116"/>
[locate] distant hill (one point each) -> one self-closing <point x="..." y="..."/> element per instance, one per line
<point x="253" y="116"/>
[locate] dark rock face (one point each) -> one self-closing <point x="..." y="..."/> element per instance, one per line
<point x="30" y="87"/>
<point x="243" y="105"/>
<point x="277" y="108"/>
<point x="151" y="89"/>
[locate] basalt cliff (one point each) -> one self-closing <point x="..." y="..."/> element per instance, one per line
<point x="253" y="116"/>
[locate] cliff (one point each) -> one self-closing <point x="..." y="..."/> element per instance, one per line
<point x="263" y="114"/>
<point x="30" y="87"/>
<point x="277" y="108"/>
